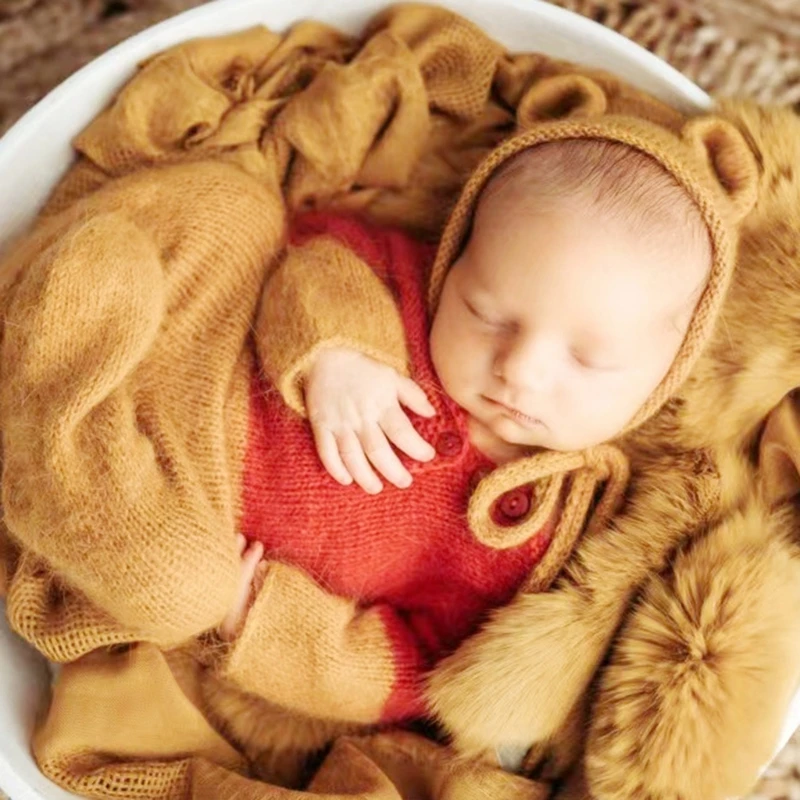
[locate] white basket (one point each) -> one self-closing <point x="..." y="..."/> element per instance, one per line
<point x="36" y="152"/>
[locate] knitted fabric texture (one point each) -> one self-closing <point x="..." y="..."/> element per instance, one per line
<point x="386" y="129"/>
<point x="128" y="309"/>
<point x="728" y="47"/>
<point x="129" y="314"/>
<point x="406" y="554"/>
<point x="708" y="159"/>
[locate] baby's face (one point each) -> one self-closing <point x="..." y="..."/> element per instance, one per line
<point x="555" y="326"/>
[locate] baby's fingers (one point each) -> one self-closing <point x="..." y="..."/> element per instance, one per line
<point x="412" y="396"/>
<point x="250" y="559"/>
<point x="398" y="428"/>
<point x="383" y="458"/>
<point x="352" y="453"/>
<point x="328" y="451"/>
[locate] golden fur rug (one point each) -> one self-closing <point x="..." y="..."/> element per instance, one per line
<point x="749" y="47"/>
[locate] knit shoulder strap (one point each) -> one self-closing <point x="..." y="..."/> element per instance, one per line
<point x="567" y="484"/>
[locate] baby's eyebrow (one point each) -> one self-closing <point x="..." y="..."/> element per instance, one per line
<point x="473" y="295"/>
<point x="478" y="292"/>
<point x="478" y="281"/>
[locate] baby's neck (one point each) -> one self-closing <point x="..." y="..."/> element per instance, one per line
<point x="491" y="446"/>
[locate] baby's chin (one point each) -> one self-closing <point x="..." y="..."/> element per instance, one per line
<point x="502" y="441"/>
<point x="519" y="435"/>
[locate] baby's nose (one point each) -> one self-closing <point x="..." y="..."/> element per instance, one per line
<point x="529" y="365"/>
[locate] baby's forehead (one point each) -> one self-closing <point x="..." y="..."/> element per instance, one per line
<point x="604" y="262"/>
<point x="608" y="176"/>
<point x="593" y="185"/>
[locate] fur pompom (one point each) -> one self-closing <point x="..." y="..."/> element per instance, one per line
<point x="516" y="683"/>
<point x="692" y="703"/>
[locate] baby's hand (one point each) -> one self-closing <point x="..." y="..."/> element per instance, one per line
<point x="251" y="556"/>
<point x="354" y="406"/>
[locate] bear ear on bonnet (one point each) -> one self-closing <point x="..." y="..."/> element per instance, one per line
<point x="730" y="162"/>
<point x="561" y="97"/>
<point x="716" y="143"/>
<point x="779" y="452"/>
<point x="708" y="157"/>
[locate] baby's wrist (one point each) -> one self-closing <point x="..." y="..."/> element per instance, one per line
<point x="333" y="358"/>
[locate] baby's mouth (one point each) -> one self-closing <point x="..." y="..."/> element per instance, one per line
<point x="525" y="420"/>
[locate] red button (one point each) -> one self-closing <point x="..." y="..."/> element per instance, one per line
<point x="512" y="506"/>
<point x="449" y="443"/>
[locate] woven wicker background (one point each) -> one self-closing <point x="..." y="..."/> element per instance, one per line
<point x="749" y="47"/>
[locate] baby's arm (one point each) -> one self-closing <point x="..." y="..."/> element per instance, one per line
<point x="323" y="296"/>
<point x="294" y="644"/>
<point x="87" y="486"/>
<point x="331" y="339"/>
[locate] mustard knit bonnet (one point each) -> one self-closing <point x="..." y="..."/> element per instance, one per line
<point x="711" y="161"/>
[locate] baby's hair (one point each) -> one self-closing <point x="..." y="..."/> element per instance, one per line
<point x="619" y="182"/>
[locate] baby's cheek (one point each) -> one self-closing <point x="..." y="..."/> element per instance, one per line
<point x="467" y="372"/>
<point x="438" y="342"/>
<point x="659" y="360"/>
<point x="631" y="395"/>
<point x="457" y="368"/>
<point x="610" y="407"/>
<point x="445" y="351"/>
